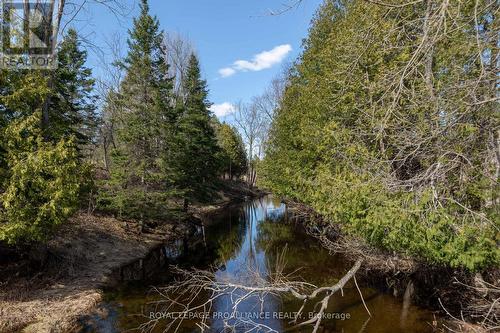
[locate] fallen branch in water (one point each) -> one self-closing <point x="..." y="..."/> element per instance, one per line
<point x="193" y="285"/>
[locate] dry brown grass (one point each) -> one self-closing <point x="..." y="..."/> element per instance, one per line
<point x="81" y="260"/>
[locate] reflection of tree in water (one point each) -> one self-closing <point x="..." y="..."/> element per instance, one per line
<point x="304" y="255"/>
<point x="306" y="260"/>
<point x="272" y="235"/>
<point x="228" y="234"/>
<point x="229" y="246"/>
<point x="247" y="242"/>
<point x="252" y="218"/>
<point x="228" y="237"/>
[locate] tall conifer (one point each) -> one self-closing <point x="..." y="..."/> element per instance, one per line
<point x="72" y="108"/>
<point x="198" y="156"/>
<point x="145" y="100"/>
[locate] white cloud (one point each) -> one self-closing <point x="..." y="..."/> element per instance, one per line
<point x="261" y="61"/>
<point x="226" y="72"/>
<point x="265" y="59"/>
<point x="223" y="109"/>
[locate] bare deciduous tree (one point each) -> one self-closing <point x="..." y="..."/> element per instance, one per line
<point x="254" y="121"/>
<point x="267" y="105"/>
<point x="59" y="14"/>
<point x="178" y="50"/>
<point x="250" y="122"/>
<point x="108" y="88"/>
<point x="285" y="7"/>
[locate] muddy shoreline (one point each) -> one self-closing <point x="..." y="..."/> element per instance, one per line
<point x="89" y="253"/>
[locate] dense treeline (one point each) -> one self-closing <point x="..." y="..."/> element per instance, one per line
<point x="389" y="125"/>
<point x="157" y="137"/>
<point x="164" y="140"/>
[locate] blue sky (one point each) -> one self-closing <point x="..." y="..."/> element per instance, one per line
<point x="238" y="37"/>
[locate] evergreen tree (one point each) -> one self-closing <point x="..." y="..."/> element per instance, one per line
<point x="197" y="143"/>
<point x="42" y="172"/>
<point x="44" y="186"/>
<point x="380" y="128"/>
<point x="233" y="153"/>
<point x="72" y="102"/>
<point x="144" y="117"/>
<point x="145" y="101"/>
<point x="4" y="118"/>
<point x="43" y="180"/>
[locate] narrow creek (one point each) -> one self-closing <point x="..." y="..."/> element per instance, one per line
<point x="251" y="236"/>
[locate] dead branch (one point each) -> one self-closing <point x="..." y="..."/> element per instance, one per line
<point x="485" y="304"/>
<point x="186" y="292"/>
<point x="286" y="7"/>
<point x="381" y="3"/>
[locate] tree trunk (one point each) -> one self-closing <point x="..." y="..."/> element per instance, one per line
<point x="105" y="148"/>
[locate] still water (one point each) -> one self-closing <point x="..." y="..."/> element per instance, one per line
<point x="249" y="238"/>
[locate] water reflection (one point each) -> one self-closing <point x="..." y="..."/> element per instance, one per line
<point x="250" y="259"/>
<point x="248" y="239"/>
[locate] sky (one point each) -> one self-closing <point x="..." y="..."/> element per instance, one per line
<point x="241" y="47"/>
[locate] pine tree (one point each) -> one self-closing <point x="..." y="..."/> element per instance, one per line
<point x="72" y="109"/>
<point x="145" y="100"/>
<point x="197" y="143"/>
<point x="42" y="172"/>
<point x="144" y="119"/>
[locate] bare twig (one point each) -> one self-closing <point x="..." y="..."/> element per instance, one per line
<point x="193" y="283"/>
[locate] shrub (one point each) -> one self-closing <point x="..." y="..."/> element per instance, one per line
<point x="43" y="186"/>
